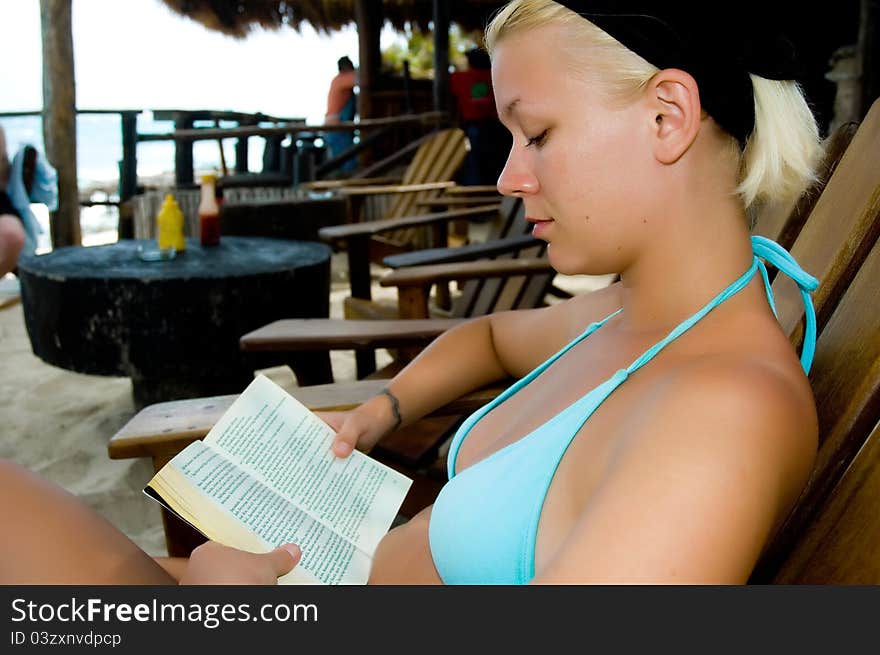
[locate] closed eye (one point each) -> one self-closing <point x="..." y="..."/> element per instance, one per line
<point x="537" y="140"/>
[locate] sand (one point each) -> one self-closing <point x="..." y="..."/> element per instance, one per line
<point x="57" y="423"/>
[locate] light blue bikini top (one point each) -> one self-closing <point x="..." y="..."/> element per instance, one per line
<point x="484" y="522"/>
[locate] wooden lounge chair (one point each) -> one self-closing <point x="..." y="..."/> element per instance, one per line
<point x="432" y="170"/>
<point x="832" y="536"/>
<point x="507" y="240"/>
<point x="839" y="233"/>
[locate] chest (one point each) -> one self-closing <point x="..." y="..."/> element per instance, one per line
<point x="587" y="365"/>
<point x="588" y="441"/>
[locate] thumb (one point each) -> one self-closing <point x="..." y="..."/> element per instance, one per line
<point x="284" y="558"/>
<point x="345" y="442"/>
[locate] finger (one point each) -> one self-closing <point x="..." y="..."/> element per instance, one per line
<point x="284" y="558"/>
<point x="334" y="419"/>
<point x="344" y="443"/>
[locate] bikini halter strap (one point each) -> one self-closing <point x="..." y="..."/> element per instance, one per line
<point x="784" y="262"/>
<point x="779" y="257"/>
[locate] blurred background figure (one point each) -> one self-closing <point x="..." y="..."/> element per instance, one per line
<point x="12" y="235"/>
<point x="341" y="107"/>
<point x="29" y="178"/>
<point x="476" y="114"/>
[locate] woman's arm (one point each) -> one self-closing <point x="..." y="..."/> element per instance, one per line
<point x="465" y="358"/>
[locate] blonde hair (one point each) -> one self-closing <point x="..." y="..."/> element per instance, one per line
<point x="780" y="156"/>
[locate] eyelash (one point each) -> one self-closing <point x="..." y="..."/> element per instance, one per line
<point x="537" y="140"/>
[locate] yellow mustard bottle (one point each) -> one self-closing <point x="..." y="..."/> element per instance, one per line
<point x="170" y="225"/>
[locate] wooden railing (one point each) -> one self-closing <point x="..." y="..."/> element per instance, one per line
<point x="185" y="134"/>
<point x="184" y="137"/>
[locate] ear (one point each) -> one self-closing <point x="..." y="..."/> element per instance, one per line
<point x="674" y="102"/>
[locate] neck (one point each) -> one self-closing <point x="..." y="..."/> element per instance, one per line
<point x="684" y="268"/>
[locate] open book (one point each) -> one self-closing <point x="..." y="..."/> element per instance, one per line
<point x="264" y="475"/>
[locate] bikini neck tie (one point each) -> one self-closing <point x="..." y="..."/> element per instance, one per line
<point x="774" y="254"/>
<point x="780" y="258"/>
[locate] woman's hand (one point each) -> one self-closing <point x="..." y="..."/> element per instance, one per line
<point x="215" y="564"/>
<point x="364" y="426"/>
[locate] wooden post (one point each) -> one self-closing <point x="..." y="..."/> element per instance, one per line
<point x="183" y="151"/>
<point x="59" y="118"/>
<point x="128" y="170"/>
<point x="127" y="174"/>
<point x="441" y="55"/>
<point x="407" y="89"/>
<point x="369" y="17"/>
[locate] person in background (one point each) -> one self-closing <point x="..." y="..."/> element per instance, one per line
<point x="475" y="111"/>
<point x="12" y="236"/>
<point x="31" y="179"/>
<point x="342" y="107"/>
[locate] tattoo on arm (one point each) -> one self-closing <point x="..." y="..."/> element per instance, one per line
<point x="395" y="407"/>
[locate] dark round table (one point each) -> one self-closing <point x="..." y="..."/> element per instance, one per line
<point x="173" y="326"/>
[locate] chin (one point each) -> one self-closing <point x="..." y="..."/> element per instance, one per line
<point x="568" y="264"/>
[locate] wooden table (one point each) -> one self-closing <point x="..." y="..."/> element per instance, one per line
<point x="173" y="326"/>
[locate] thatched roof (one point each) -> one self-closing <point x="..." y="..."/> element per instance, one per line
<point x="238" y="17"/>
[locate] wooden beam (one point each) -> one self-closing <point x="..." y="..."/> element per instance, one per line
<point x="59" y="118"/>
<point x="128" y="170"/>
<point x="441" y="55"/>
<point x="211" y="133"/>
<point x="369" y="17"/>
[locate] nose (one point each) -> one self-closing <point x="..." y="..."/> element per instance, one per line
<point x="516" y="179"/>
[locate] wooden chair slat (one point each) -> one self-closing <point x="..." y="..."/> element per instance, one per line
<point x="846" y="383"/>
<point x="782" y="222"/>
<point x="842" y="545"/>
<point x="510" y="293"/>
<point x="841" y="230"/>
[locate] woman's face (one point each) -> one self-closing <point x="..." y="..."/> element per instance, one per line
<point x="581" y="164"/>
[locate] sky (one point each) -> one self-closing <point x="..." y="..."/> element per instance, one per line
<point x="139" y="54"/>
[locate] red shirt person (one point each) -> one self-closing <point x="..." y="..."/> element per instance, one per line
<point x="475" y="106"/>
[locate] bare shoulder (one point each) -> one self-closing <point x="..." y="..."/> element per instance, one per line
<point x="525" y="338"/>
<point x="743" y="406"/>
<point x="703" y="471"/>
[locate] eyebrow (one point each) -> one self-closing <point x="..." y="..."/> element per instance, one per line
<point x="511" y="106"/>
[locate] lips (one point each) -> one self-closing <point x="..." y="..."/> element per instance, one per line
<point x="541" y="226"/>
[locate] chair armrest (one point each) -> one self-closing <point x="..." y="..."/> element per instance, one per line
<point x="394" y="188"/>
<point x="163" y="429"/>
<point x="459" y="201"/>
<point x="468" y="252"/>
<point x="419" y="276"/>
<point x="461" y="189"/>
<point x="370" y="228"/>
<point x="343" y="334"/>
<point x="329" y="185"/>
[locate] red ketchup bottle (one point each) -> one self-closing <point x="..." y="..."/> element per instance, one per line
<point x="209" y="213"/>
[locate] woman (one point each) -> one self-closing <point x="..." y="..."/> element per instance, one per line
<point x="662" y="426"/>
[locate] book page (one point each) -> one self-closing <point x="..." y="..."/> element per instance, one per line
<point x="265" y="475"/>
<point x="228" y="505"/>
<point x="279" y="442"/>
